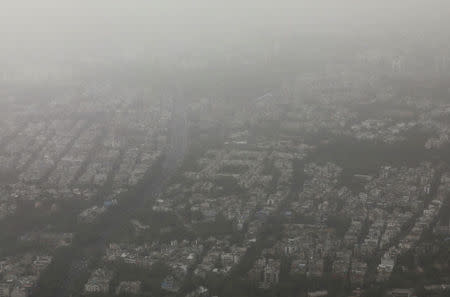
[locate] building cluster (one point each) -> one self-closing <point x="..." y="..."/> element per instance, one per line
<point x="99" y="281"/>
<point x="85" y="153"/>
<point x="220" y="258"/>
<point x="19" y="275"/>
<point x="424" y="219"/>
<point x="77" y="152"/>
<point x="265" y="272"/>
<point x="179" y="257"/>
<point x="244" y="186"/>
<point x="386" y="130"/>
<point x="70" y="157"/>
<point x="373" y="221"/>
<point x="199" y="292"/>
<point x="433" y="117"/>
<point x="52" y="240"/>
<point x="329" y="228"/>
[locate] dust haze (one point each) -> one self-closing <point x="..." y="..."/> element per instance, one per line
<point x="224" y="148"/>
<point x="68" y="32"/>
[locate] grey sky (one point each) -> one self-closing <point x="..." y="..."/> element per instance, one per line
<point x="47" y="27"/>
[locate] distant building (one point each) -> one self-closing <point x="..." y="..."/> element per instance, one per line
<point x="5" y="289"/>
<point x="199" y="292"/>
<point x="266" y="272"/>
<point x="99" y="281"/>
<point x="129" y="288"/>
<point x="19" y="292"/>
<point x="170" y="284"/>
<point x="401" y="293"/>
<point x="320" y="293"/>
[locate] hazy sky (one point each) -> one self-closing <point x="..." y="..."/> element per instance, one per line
<point x="46" y="27"/>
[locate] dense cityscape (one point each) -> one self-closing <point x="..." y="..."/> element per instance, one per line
<point x="252" y="174"/>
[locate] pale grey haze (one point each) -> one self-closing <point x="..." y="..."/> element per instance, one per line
<point x="52" y="29"/>
<point x="201" y="148"/>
